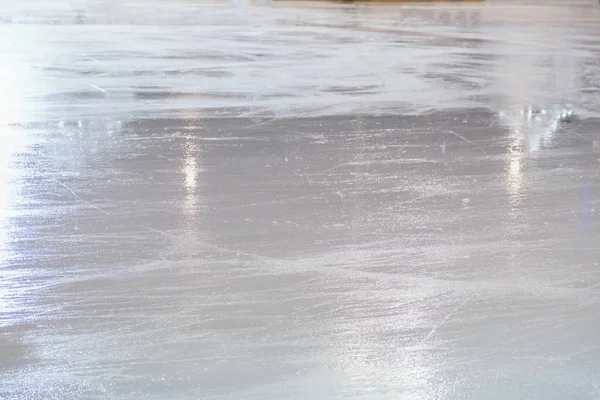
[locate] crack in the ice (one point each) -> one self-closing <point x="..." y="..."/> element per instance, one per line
<point x="434" y="330"/>
<point x="468" y="141"/>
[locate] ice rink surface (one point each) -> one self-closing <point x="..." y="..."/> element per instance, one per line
<point x="229" y="200"/>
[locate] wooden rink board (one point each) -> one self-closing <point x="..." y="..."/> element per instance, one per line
<point x="461" y="13"/>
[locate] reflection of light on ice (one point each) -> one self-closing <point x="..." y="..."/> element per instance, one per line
<point x="190" y="170"/>
<point x="12" y="141"/>
<point x="190" y="160"/>
<point x="190" y="204"/>
<point x="538" y="128"/>
<point x="514" y="176"/>
<point x="190" y="176"/>
<point x="12" y="109"/>
<point x="515" y="179"/>
<point x="5" y="201"/>
<point x="11" y="95"/>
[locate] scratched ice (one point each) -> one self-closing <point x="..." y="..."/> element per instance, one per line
<point x="204" y="200"/>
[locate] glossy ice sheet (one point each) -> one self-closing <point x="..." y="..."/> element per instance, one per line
<point x="233" y="201"/>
